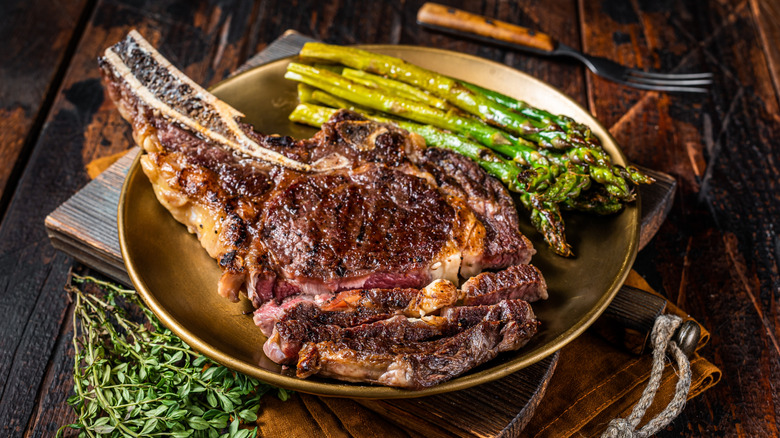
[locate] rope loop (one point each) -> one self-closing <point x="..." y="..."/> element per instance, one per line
<point x="663" y="330"/>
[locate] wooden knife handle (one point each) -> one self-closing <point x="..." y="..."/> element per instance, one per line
<point x="447" y="18"/>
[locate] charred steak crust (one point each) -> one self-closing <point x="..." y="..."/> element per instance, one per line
<point x="376" y="353"/>
<point x="355" y="223"/>
<point x="515" y="282"/>
<point x="489" y="200"/>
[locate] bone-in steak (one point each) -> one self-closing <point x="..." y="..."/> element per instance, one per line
<point x="361" y="208"/>
<point x="359" y="205"/>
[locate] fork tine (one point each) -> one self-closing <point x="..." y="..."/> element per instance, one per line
<point x="683" y="76"/>
<point x="672" y="82"/>
<point x="685" y="89"/>
<point x="611" y="70"/>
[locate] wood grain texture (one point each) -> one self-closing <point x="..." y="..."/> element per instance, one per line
<point x="655" y="203"/>
<point x="767" y="17"/>
<point x="85" y="226"/>
<point x="717" y="254"/>
<point x="36" y="36"/>
<point x="81" y="126"/>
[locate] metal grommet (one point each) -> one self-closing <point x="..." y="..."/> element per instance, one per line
<point x="687" y="337"/>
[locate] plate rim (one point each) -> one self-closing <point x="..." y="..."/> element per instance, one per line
<point x="367" y="391"/>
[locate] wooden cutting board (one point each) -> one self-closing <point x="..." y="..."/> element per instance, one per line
<point x="85" y="227"/>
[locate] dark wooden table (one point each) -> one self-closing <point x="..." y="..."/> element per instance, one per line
<point x="716" y="256"/>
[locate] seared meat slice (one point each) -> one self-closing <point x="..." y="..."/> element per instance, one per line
<point x="515" y="282"/>
<point x="289" y="325"/>
<point x="359" y="205"/>
<point x="409" y="302"/>
<point x="309" y="311"/>
<point x="290" y="335"/>
<point x="371" y="328"/>
<point x="357" y="306"/>
<point x="507" y="326"/>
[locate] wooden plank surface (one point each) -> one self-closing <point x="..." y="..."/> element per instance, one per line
<point x="85" y="226"/>
<point x="716" y="256"/>
<point x="82" y="125"/>
<point x="37" y="37"/>
<point x="767" y="17"/>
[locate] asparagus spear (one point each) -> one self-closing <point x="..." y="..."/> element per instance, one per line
<point x="305" y="93"/>
<point x="565" y="185"/>
<point x="400" y="88"/>
<point x="580" y="133"/>
<point x="547" y="135"/>
<point x="551" y="182"/>
<point x="601" y="169"/>
<point x="541" y="127"/>
<point x="319" y="96"/>
<point x="339" y="86"/>
<point x="310" y="114"/>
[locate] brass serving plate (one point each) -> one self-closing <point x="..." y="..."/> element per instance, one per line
<point x="178" y="280"/>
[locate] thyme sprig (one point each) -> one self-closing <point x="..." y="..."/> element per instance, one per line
<point x="134" y="377"/>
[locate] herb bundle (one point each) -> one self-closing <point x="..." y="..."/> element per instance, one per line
<point x="134" y="377"/>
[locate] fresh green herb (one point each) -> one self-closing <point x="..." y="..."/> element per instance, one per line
<point x="134" y="377"/>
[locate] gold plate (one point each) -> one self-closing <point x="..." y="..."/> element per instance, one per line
<point x="178" y="280"/>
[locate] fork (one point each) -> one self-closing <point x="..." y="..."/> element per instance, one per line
<point x="462" y="23"/>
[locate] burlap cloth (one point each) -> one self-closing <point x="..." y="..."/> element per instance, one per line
<point x="596" y="381"/>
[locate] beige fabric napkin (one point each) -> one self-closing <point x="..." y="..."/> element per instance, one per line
<point x="596" y="381"/>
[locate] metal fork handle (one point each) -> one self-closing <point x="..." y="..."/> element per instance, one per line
<point x="458" y="22"/>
